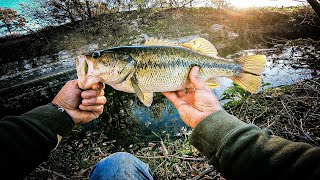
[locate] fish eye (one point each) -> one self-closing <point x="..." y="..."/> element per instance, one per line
<point x="96" y="54"/>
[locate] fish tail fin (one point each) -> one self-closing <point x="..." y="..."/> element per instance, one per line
<point x="252" y="67"/>
<point x="253" y="64"/>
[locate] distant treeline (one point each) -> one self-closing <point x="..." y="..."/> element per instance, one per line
<point x="54" y="11"/>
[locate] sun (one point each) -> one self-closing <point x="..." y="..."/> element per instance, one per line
<point x="243" y="3"/>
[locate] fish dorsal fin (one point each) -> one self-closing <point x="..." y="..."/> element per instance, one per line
<point x="158" y="42"/>
<point x="202" y="46"/>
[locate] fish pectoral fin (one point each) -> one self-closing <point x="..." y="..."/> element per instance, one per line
<point x="145" y="98"/>
<point x="125" y="72"/>
<point x="202" y="46"/>
<point x="158" y="42"/>
<point x="212" y="83"/>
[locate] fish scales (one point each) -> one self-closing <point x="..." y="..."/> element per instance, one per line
<point x="167" y="68"/>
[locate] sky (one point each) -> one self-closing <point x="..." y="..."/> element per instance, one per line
<point x="262" y="3"/>
<point x="12" y="4"/>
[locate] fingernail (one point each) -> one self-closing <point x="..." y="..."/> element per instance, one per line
<point x="196" y="71"/>
<point x="196" y="74"/>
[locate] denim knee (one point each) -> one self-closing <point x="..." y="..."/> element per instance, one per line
<point x="121" y="165"/>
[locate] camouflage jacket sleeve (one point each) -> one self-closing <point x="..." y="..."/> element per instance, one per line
<point x="27" y="140"/>
<point x="243" y="151"/>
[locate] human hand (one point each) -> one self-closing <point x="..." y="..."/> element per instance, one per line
<point x="81" y="110"/>
<point x="198" y="103"/>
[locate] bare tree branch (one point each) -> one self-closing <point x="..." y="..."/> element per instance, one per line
<point x="315" y="6"/>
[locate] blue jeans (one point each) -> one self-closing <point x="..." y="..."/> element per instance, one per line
<point x="121" y="165"/>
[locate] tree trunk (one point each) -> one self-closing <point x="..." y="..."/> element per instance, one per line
<point x="9" y="28"/>
<point x="315" y="6"/>
<point x="88" y="9"/>
<point x="7" y="25"/>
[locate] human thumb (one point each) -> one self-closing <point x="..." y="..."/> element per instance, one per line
<point x="195" y="78"/>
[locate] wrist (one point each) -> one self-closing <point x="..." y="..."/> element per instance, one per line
<point x="65" y="110"/>
<point x="61" y="109"/>
<point x="73" y="116"/>
<point x="197" y="121"/>
<point x="206" y="114"/>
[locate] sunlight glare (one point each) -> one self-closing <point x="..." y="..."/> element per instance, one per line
<point x="263" y="3"/>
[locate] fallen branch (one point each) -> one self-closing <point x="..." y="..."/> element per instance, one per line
<point x="176" y="167"/>
<point x="207" y="171"/>
<point x="159" y="166"/>
<point x="189" y="159"/>
<point x="270" y="125"/>
<point x="53" y="172"/>
<point x="189" y="165"/>
<point x="172" y="156"/>
<point x="164" y="149"/>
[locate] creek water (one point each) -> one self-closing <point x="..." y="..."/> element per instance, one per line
<point x="27" y="84"/>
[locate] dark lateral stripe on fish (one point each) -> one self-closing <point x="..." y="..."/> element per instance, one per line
<point x="154" y="49"/>
<point x="172" y="51"/>
<point x="178" y="64"/>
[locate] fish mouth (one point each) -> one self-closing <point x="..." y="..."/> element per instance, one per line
<point x="85" y="70"/>
<point x="82" y="70"/>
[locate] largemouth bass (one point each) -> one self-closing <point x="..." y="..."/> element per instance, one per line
<point x="160" y="65"/>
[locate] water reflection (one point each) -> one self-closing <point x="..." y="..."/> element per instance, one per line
<point x="160" y="117"/>
<point x="126" y="109"/>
